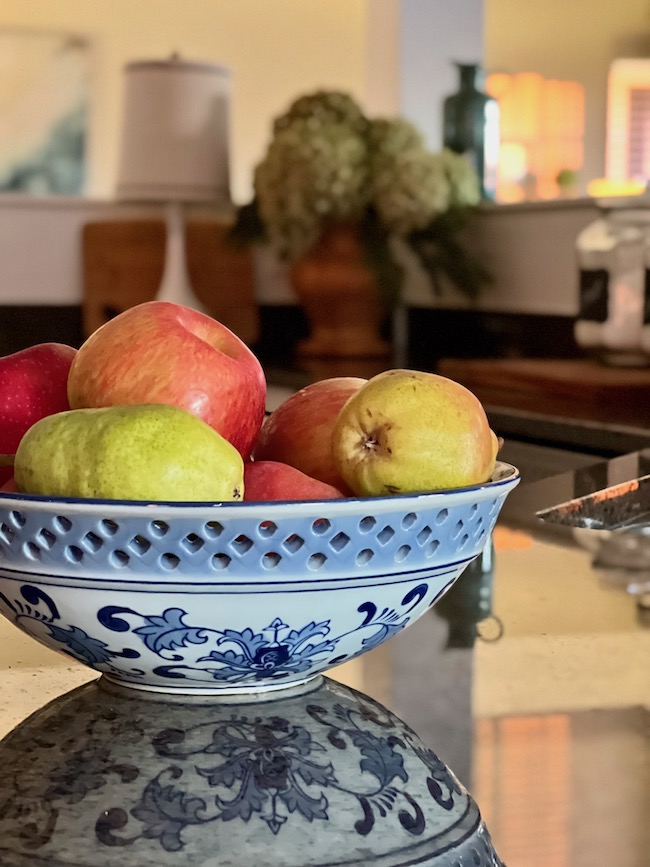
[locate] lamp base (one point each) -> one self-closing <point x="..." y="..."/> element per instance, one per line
<point x="176" y="285"/>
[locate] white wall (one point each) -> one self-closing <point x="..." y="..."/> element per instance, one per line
<point x="531" y="250"/>
<point x="381" y="96"/>
<point x="558" y="39"/>
<point x="40" y="246"/>
<point x="276" y="49"/>
<point x="435" y="34"/>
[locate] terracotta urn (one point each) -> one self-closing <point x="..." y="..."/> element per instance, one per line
<point x="338" y="293"/>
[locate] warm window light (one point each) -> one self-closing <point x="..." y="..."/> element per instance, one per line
<point x="513" y="166"/>
<point x="628" y="121"/>
<point x="525" y="104"/>
<point x="601" y="188"/>
<point x="542" y="129"/>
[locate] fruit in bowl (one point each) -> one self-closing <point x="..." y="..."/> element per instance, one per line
<point x="402" y="431"/>
<point x="408" y="430"/>
<point x="273" y="480"/>
<point x="299" y="431"/>
<point x="100" y="560"/>
<point x="33" y="384"/>
<point x="142" y="452"/>
<point x="161" y="352"/>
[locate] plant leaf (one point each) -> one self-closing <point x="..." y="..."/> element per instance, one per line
<point x="248" y="227"/>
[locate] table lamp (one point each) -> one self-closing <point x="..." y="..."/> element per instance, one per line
<point x="175" y="150"/>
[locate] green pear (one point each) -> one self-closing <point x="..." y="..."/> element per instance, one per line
<point x="149" y="452"/>
<point x="407" y="431"/>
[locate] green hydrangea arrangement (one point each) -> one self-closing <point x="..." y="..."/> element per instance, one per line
<point x="327" y="162"/>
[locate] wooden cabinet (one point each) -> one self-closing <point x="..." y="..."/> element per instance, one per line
<point x="123" y="265"/>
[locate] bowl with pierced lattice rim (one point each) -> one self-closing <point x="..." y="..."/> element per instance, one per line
<point x="230" y="598"/>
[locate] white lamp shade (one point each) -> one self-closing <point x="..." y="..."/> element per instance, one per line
<point x="175" y="132"/>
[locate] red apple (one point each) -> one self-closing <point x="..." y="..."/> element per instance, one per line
<point x="9" y="487"/>
<point x="161" y="352"/>
<point x="33" y="384"/>
<point x="299" y="431"/>
<point x="272" y="480"/>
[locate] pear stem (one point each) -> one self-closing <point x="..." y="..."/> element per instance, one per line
<point x="7" y="460"/>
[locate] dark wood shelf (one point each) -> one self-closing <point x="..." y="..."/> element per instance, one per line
<point x="583" y="389"/>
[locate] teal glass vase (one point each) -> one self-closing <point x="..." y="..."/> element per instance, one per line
<point x="471" y="126"/>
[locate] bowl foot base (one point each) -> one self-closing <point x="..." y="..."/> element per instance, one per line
<point x="240" y="695"/>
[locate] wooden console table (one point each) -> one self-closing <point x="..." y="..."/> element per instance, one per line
<point x="123" y="264"/>
<point x="567" y="388"/>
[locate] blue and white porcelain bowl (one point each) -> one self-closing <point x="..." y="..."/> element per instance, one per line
<point x="222" y="599"/>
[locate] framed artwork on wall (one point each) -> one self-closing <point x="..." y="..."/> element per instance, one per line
<point x="44" y="104"/>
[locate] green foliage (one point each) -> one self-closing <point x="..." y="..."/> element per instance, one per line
<point x="248" y="227"/>
<point x="440" y="252"/>
<point x="375" y="239"/>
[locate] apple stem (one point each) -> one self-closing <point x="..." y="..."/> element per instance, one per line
<point x="7" y="460"/>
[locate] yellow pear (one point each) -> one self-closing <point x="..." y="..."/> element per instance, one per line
<point x="408" y="431"/>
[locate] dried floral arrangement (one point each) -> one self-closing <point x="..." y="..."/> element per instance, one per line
<point x="327" y="162"/>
